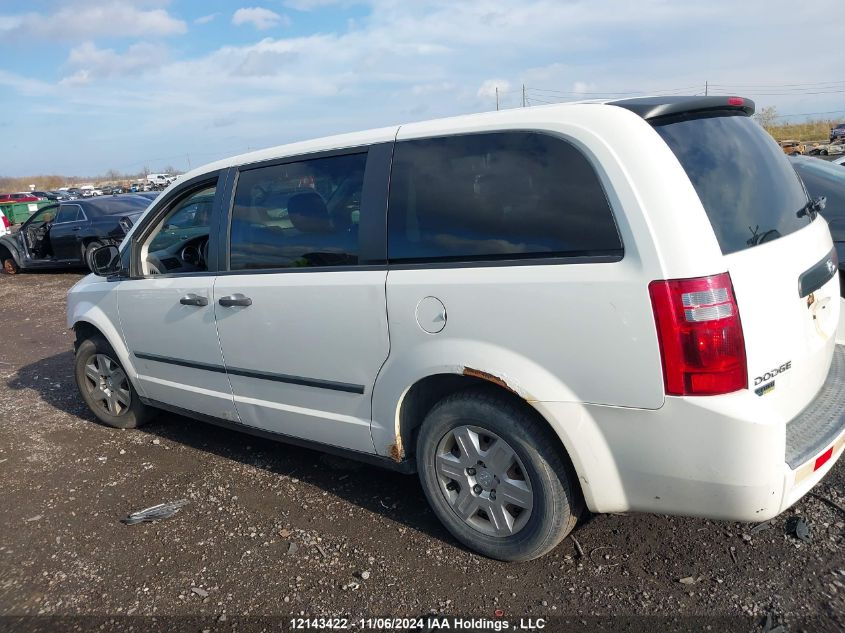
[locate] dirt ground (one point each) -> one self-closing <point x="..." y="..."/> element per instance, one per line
<point x="273" y="531"/>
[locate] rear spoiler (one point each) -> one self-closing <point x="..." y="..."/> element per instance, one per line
<point x="656" y="107"/>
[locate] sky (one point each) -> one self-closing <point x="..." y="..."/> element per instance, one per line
<point x="88" y="86"/>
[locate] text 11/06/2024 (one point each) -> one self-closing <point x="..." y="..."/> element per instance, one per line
<point x="427" y="623"/>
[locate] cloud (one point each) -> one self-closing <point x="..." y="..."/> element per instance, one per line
<point x="79" y="78"/>
<point x="25" y="85"/>
<point x="312" y="5"/>
<point x="433" y="88"/>
<point x="583" y="88"/>
<point x="401" y="61"/>
<point x="258" y="63"/>
<point x="10" y="22"/>
<point x="259" y="17"/>
<point x="205" y="19"/>
<point x="91" y="62"/>
<point x="81" y="20"/>
<point x="489" y="87"/>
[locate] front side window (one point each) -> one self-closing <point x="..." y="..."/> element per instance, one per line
<point x="507" y="195"/>
<point x="45" y="215"/>
<point x="179" y="242"/>
<point x="298" y="215"/>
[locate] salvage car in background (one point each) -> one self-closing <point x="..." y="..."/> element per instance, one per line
<point x="831" y="149"/>
<point x="64" y="235"/>
<point x="792" y="148"/>
<point x="825" y="179"/>
<point x="17" y="197"/>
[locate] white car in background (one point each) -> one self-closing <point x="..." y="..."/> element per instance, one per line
<point x="628" y="306"/>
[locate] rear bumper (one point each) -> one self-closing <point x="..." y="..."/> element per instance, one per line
<point x="728" y="457"/>
<point x="819" y="425"/>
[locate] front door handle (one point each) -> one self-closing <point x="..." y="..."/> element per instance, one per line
<point x="235" y="300"/>
<point x="193" y="300"/>
<point x="76" y="228"/>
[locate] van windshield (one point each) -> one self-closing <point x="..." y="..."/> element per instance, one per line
<point x="748" y="188"/>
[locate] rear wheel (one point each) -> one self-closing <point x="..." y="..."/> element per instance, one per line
<point x="88" y="253"/>
<point x="106" y="388"/>
<point x="493" y="475"/>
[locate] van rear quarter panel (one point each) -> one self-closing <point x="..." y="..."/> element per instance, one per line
<point x="563" y="332"/>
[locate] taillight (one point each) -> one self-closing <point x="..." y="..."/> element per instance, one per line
<point x="700" y="335"/>
<point x="5" y="219"/>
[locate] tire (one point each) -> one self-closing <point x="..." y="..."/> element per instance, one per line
<point x="537" y="478"/>
<point x="114" y="400"/>
<point x="88" y="253"/>
<point x="10" y="267"/>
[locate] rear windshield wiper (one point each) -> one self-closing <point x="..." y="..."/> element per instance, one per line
<point x="813" y="207"/>
<point x="759" y="238"/>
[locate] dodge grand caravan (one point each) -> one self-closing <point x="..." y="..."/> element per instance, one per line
<point x="619" y="306"/>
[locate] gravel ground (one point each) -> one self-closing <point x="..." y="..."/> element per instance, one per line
<point x="272" y="530"/>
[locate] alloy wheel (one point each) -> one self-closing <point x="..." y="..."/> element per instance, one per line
<point x="107" y="384"/>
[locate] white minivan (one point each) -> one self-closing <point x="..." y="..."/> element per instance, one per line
<point x="619" y="306"/>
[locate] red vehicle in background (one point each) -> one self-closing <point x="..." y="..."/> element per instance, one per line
<point x="6" y="198"/>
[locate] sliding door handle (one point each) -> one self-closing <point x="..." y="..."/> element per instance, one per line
<point x="193" y="300"/>
<point x="235" y="300"/>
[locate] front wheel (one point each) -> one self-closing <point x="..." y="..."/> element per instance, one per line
<point x="10" y="267"/>
<point x="494" y="476"/>
<point x="106" y="388"/>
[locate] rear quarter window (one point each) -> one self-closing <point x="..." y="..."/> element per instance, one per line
<point x="495" y="196"/>
<point x="748" y="188"/>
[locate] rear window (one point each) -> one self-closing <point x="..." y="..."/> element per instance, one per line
<point x="494" y="196"/>
<point x="748" y="188"/>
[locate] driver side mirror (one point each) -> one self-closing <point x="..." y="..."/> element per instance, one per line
<point x="105" y="261"/>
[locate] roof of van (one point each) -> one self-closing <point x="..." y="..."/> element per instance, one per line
<point x="648" y="108"/>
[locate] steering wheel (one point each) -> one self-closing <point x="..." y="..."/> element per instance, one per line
<point x="195" y="254"/>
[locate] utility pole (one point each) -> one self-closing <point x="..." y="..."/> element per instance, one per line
<point x="497" y="97"/>
<point x="523" y="95"/>
<point x="188" y="156"/>
<point x="706" y="87"/>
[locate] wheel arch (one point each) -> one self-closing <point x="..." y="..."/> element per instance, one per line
<point x="9" y="249"/>
<point x="421" y="396"/>
<point x="90" y="325"/>
<point x="85" y="240"/>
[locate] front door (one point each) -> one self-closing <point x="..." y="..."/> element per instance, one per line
<point x="64" y="232"/>
<point x="31" y="235"/>
<point x="166" y="309"/>
<point x="302" y="322"/>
